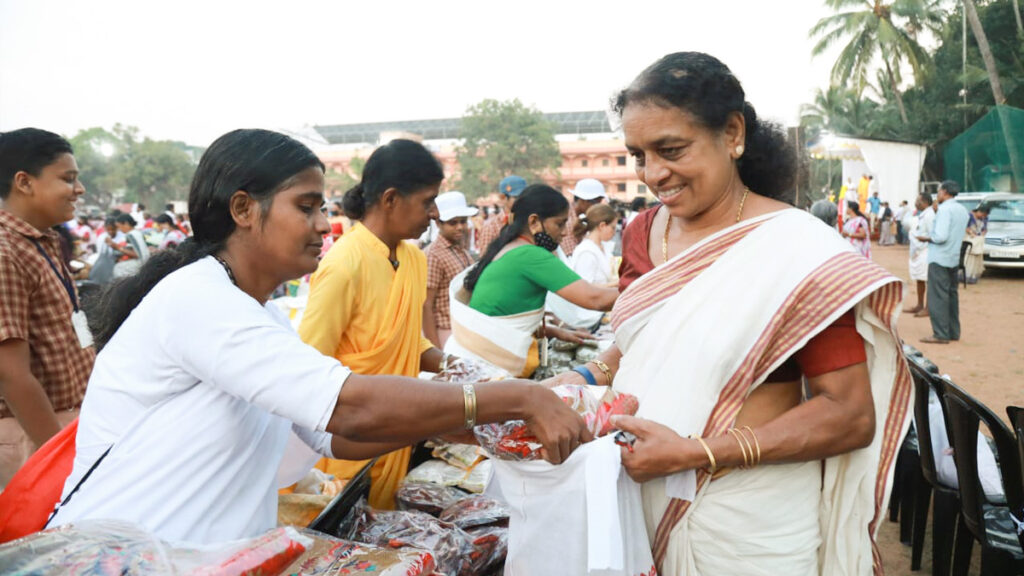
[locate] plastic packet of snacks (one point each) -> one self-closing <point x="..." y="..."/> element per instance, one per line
<point x="427" y="497"/>
<point x="451" y="547"/>
<point x="596" y="404"/>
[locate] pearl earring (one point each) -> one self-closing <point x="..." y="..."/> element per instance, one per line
<point x="739" y="150"/>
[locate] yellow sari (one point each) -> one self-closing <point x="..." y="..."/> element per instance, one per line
<point x="368" y="315"/>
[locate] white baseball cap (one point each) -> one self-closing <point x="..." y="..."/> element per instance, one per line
<point x="453" y="205"/>
<point x="589" y="189"/>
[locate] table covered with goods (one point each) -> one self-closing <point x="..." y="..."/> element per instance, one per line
<point x="450" y="518"/>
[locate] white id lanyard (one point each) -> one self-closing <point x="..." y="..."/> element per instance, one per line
<point x="78" y="320"/>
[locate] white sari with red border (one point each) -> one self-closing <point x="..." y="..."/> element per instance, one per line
<point x="702" y="331"/>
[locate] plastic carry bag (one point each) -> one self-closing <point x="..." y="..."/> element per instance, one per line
<point x="29" y="498"/>
<point x="584" y="516"/>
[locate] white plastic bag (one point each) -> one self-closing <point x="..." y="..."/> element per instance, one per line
<point x="549" y="505"/>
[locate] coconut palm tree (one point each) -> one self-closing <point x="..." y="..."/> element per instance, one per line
<point x="875" y="29"/>
<point x="971" y="12"/>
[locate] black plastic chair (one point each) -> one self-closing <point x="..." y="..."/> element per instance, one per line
<point x="946" y="506"/>
<point x="990" y="525"/>
<point x="1016" y="415"/>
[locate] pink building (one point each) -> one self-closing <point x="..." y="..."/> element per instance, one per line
<point x="589" y="147"/>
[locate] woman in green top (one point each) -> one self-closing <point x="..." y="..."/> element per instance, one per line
<point x="498" y="304"/>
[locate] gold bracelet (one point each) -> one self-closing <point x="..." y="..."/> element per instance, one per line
<point x="604" y="370"/>
<point x="469" y="400"/>
<point x="756" y="443"/>
<point x="711" y="456"/>
<point x="746" y="458"/>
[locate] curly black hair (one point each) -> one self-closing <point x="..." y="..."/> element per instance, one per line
<point x="704" y="87"/>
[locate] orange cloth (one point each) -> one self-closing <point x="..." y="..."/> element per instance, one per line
<point x="370" y="317"/>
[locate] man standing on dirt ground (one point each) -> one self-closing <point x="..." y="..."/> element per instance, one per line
<point x="943" y="261"/>
<point x="920" y="225"/>
<point x="874" y="210"/>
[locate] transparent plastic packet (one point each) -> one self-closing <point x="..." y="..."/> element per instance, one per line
<point x="427" y="497"/>
<point x="436" y="472"/>
<point x="450" y="546"/>
<point x="512" y="440"/>
<point x="465" y="370"/>
<point x="102" y="547"/>
<point x="490" y="548"/>
<point x="330" y="556"/>
<point x="476" y="480"/>
<point x="476" y="510"/>
<point x="463" y="456"/>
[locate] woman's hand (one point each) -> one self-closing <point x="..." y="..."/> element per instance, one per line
<point x="559" y="428"/>
<point x="568" y="335"/>
<point x="657" y="451"/>
<point x="565" y="378"/>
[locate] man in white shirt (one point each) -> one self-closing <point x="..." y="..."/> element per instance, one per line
<point x="919" y="251"/>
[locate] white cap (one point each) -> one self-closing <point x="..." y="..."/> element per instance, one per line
<point x="453" y="205"/>
<point x="589" y="189"/>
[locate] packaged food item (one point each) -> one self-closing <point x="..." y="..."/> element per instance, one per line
<point x="427" y="497"/>
<point x="107" y="547"/>
<point x="475" y="480"/>
<point x="596" y="404"/>
<point x="466" y="370"/>
<point x="463" y="456"/>
<point x="329" y="556"/>
<point x="476" y="510"/>
<point x="436" y="472"/>
<point x="300" y="509"/>
<point x="449" y="545"/>
<point x="490" y="548"/>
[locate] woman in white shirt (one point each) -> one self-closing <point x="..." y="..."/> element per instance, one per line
<point x="203" y="400"/>
<point x="590" y="260"/>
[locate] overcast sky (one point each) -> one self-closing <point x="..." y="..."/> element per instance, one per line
<point x="192" y="70"/>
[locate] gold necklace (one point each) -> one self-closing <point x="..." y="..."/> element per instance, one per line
<point x="668" y="224"/>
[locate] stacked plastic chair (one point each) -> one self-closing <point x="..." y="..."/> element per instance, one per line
<point x="990" y="524"/>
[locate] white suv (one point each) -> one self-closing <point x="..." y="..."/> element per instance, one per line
<point x="1004" y="242"/>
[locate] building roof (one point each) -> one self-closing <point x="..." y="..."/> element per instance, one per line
<point x="592" y="122"/>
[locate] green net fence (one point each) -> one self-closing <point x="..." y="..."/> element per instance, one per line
<point x="989" y="155"/>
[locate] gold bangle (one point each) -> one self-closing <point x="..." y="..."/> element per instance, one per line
<point x="756" y="443"/>
<point x="469" y="405"/>
<point x="746" y="458"/>
<point x="711" y="456"/>
<point x="604" y="370"/>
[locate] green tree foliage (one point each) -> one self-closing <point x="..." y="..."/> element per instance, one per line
<point x="502" y="138"/>
<point x="120" y="166"/>
<point x="337" y="182"/>
<point x="936" y="110"/>
<point x="878" y="33"/>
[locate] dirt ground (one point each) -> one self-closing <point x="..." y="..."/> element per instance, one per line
<point x="988" y="362"/>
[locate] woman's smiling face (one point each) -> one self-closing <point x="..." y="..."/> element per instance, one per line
<point x="686" y="165"/>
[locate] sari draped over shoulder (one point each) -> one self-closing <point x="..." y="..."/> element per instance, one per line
<point x="369" y="316"/>
<point x="699" y="334"/>
<point x="504" y="341"/>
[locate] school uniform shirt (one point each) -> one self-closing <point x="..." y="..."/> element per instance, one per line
<point x="36" y="307"/>
<point x="444" y="262"/>
<point x="199" y="393"/>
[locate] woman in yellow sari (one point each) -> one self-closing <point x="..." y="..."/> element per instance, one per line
<point x="366" y="298"/>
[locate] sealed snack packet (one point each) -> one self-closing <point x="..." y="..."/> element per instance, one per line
<point x="449" y="545"/>
<point x="475" y="511"/>
<point x="463" y="456"/>
<point x="596" y="404"/>
<point x="427" y="497"/>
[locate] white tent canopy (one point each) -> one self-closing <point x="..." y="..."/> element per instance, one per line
<point x="896" y="166"/>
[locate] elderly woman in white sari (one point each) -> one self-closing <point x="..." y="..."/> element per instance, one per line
<point x="743" y="473"/>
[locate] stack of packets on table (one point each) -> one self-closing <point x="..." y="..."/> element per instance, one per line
<point x="108" y="547"/>
<point x="310" y="496"/>
<point x="330" y="556"/>
<point x="596" y="404"/>
<point x="466" y="534"/>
